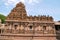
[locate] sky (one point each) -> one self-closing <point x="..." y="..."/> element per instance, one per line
<point x="33" y="7"/>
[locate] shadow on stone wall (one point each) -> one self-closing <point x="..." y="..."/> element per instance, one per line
<point x="58" y="35"/>
<point x="57" y="27"/>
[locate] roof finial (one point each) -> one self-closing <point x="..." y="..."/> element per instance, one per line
<point x="20" y="4"/>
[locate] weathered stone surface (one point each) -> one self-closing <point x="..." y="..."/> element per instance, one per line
<point x="19" y="26"/>
<point x="27" y="37"/>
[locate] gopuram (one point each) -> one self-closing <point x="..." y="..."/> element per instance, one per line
<point x="19" y="26"/>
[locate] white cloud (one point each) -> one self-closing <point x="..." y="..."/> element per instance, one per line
<point x="22" y="1"/>
<point x="10" y="2"/>
<point x="13" y="2"/>
<point x="34" y="1"/>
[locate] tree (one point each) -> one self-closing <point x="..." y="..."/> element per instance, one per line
<point x="2" y="17"/>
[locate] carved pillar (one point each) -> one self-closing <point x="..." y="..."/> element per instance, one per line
<point x="22" y="29"/>
<point x="10" y="28"/>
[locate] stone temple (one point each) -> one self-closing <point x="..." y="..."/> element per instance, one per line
<point x="19" y="26"/>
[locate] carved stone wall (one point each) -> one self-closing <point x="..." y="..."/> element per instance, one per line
<point x="18" y="23"/>
<point x="30" y="28"/>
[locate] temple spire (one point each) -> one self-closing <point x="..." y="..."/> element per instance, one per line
<point x="18" y="12"/>
<point x="20" y="4"/>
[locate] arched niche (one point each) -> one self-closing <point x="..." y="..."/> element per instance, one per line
<point x="44" y="27"/>
<point x="30" y="27"/>
<point x="16" y="26"/>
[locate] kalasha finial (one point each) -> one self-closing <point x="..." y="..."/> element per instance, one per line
<point x="20" y="4"/>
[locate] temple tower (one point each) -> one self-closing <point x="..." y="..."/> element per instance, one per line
<point x="18" y="13"/>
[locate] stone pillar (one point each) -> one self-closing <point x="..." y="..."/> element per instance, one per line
<point x="10" y="28"/>
<point x="21" y="29"/>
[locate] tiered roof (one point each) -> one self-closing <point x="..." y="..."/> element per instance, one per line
<point x="19" y="13"/>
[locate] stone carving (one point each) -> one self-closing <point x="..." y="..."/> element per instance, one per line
<point x="19" y="13"/>
<point x="18" y="23"/>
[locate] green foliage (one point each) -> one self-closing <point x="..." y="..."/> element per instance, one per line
<point x="2" y="17"/>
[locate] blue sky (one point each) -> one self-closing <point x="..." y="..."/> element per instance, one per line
<point x="33" y="7"/>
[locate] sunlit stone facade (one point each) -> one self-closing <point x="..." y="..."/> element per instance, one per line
<point x="19" y="26"/>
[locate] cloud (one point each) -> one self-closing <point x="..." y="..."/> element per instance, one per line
<point x="35" y="1"/>
<point x="14" y="2"/>
<point x="10" y="2"/>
